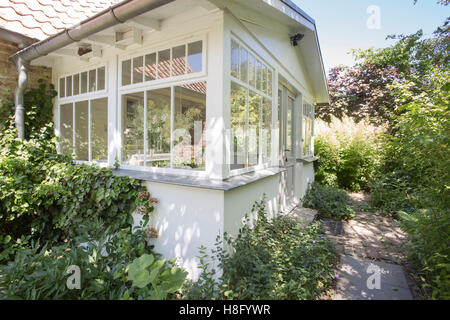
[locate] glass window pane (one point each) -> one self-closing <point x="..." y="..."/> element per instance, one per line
<point x="69" y="86"/>
<point x="234" y="59"/>
<point x="158" y="128"/>
<point x="251" y="70"/>
<point x="259" y="75"/>
<point x="289" y="127"/>
<point x="92" y="80"/>
<point x="264" y="79"/>
<point x="66" y="128"/>
<point x="244" y="65"/>
<point x="266" y="130"/>
<point x="179" y="60"/>
<point x="81" y="130"/>
<point x="164" y="64"/>
<point x="254" y="114"/>
<point x="99" y="129"/>
<point x="133" y="129"/>
<point x="126" y="72"/>
<point x="62" y="87"/>
<point x="238" y="125"/>
<point x="189" y="126"/>
<point x="269" y="82"/>
<point x="195" y="59"/>
<point x="101" y="78"/>
<point x="150" y="67"/>
<point x="84" y="83"/>
<point x="76" y="84"/>
<point x="304" y="136"/>
<point x="138" y="66"/>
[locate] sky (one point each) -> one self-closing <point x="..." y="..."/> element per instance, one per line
<point x="346" y="24"/>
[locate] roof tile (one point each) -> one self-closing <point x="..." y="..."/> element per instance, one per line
<point x="40" y="19"/>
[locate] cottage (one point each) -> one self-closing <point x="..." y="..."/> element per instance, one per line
<point x="209" y="102"/>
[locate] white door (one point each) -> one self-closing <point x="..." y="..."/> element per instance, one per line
<point x="286" y="104"/>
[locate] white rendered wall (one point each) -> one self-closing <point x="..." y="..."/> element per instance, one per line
<point x="239" y="202"/>
<point x="186" y="218"/>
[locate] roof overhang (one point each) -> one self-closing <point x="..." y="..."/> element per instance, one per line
<point x="286" y="13"/>
<point x="309" y="47"/>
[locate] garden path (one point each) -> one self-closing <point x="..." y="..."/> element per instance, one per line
<point x="370" y="239"/>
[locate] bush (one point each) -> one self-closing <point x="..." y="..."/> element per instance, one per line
<point x="109" y="263"/>
<point x="330" y="202"/>
<point x="349" y="154"/>
<point x="428" y="231"/>
<point x="413" y="182"/>
<point x="44" y="195"/>
<point x="276" y="259"/>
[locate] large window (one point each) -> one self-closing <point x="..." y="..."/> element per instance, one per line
<point x="308" y="127"/>
<point x="165" y="127"/>
<point x="177" y="61"/>
<point x="251" y="109"/>
<point x="84" y="129"/>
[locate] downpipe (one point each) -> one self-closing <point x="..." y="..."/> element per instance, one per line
<point x="19" y="114"/>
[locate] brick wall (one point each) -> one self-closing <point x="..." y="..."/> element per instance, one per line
<point x="8" y="72"/>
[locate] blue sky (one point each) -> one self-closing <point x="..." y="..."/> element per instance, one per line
<point x="342" y="24"/>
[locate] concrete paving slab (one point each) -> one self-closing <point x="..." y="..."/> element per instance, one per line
<point x="361" y="279"/>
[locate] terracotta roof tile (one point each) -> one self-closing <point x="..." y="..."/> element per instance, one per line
<point x="40" y="19"/>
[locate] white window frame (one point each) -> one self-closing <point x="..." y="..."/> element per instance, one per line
<point x="260" y="165"/>
<point x="86" y="95"/>
<point x="156" y="49"/>
<point x="311" y="147"/>
<point x="152" y="85"/>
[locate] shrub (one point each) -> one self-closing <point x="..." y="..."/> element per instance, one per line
<point x="44" y="195"/>
<point x="109" y="262"/>
<point x="428" y="231"/>
<point x="330" y="202"/>
<point x="276" y="259"/>
<point x="349" y="154"/>
<point x="326" y="167"/>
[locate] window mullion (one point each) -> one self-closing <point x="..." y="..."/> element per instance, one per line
<point x="89" y="131"/>
<point x="246" y="128"/>
<point x="172" y="109"/>
<point x="145" y="128"/>
<point x="74" y="127"/>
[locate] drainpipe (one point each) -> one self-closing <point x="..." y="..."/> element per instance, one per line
<point x="118" y="13"/>
<point x="19" y="116"/>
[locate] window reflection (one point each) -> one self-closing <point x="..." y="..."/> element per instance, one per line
<point x="158" y="128"/>
<point x="189" y="126"/>
<point x="133" y="129"/>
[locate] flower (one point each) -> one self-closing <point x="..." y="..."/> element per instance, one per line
<point x="152" y="232"/>
<point x="143" y="195"/>
<point x="314" y="241"/>
<point x="153" y="201"/>
<point x="336" y="276"/>
<point x="141" y="210"/>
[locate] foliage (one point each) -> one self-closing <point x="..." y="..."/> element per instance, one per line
<point x="38" y="107"/>
<point x="41" y="272"/>
<point x="349" y="153"/>
<point x="146" y="270"/>
<point x="364" y="90"/>
<point x="330" y="202"/>
<point x="269" y="259"/>
<point x="46" y="196"/>
<point x="427" y="229"/>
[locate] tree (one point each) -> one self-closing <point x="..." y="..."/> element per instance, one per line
<point x="364" y="90"/>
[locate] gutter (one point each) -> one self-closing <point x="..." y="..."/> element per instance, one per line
<point x="118" y="13"/>
<point x="21" y="40"/>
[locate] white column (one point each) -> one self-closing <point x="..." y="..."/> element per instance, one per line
<point x="217" y="109"/>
